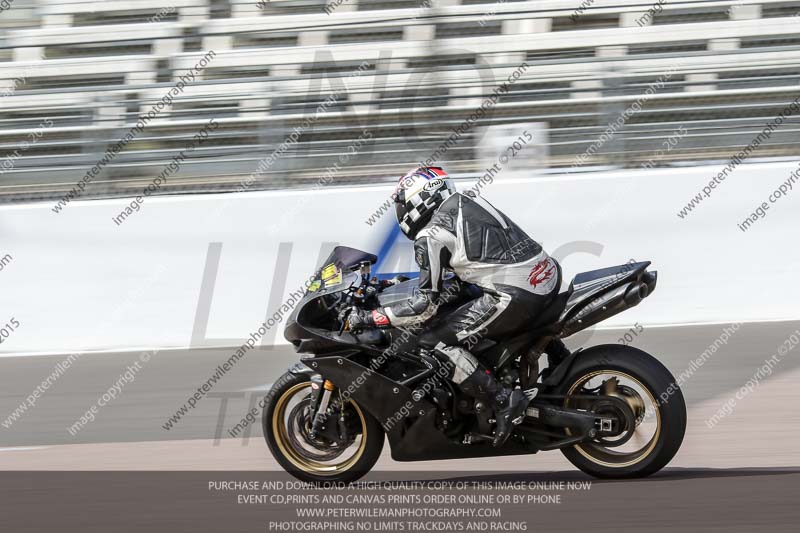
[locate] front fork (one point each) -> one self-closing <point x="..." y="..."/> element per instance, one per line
<point x="321" y="392"/>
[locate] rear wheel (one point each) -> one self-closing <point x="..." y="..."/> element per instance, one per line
<point x="647" y="440"/>
<point x="286" y="422"/>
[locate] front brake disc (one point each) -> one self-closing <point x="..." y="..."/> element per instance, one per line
<point x="322" y="449"/>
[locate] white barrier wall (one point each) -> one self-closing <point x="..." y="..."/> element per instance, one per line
<point x="77" y="281"/>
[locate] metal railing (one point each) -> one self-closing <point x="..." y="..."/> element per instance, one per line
<point x="718" y="83"/>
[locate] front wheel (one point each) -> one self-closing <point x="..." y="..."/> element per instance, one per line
<point x="286" y="421"/>
<point x="650" y="438"/>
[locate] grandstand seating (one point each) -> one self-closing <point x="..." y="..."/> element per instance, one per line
<point x="720" y="69"/>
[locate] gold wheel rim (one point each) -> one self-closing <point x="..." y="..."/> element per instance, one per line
<point x="280" y="430"/>
<point x="639" y="455"/>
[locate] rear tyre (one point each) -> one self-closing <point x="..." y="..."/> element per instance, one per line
<point x="310" y="460"/>
<point x="639" y="378"/>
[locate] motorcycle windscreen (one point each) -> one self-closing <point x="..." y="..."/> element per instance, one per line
<point x="338" y="272"/>
<point x="334" y="270"/>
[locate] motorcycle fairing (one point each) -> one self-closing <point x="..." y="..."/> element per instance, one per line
<point x="414" y="436"/>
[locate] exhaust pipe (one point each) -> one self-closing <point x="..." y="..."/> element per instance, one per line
<point x="635" y="294"/>
<point x="641" y="290"/>
<point x="610" y="303"/>
<point x="650" y="279"/>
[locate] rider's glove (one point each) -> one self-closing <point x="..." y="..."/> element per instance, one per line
<point x="360" y="319"/>
<point x="385" y="283"/>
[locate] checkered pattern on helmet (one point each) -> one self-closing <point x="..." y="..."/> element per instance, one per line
<point x="419" y="204"/>
<point x="423" y="202"/>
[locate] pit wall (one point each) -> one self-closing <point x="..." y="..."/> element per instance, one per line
<point x="201" y="270"/>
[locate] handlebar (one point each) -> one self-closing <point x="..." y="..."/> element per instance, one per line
<point x="355" y="296"/>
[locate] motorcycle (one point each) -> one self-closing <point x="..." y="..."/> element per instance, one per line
<point x="613" y="410"/>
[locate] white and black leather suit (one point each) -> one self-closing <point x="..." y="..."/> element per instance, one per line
<point x="483" y="247"/>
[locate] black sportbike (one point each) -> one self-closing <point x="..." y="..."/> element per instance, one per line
<point x="614" y="411"/>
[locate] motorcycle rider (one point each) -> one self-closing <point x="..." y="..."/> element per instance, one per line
<point x="464" y="233"/>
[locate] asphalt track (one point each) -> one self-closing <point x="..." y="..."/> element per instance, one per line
<point x="171" y="376"/>
<point x="739" y="475"/>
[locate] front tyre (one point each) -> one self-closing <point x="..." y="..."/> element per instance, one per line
<point x="286" y="423"/>
<point x="652" y="438"/>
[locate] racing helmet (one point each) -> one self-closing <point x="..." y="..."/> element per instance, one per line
<point x="419" y="194"/>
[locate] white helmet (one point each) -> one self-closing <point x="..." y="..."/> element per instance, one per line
<point x="419" y="194"/>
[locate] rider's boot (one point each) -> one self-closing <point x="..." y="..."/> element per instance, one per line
<point x="508" y="404"/>
<point x="475" y="380"/>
